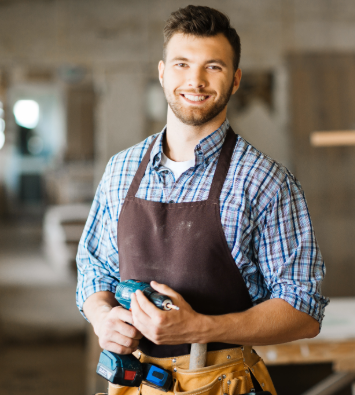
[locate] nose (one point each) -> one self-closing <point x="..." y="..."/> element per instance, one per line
<point x="197" y="78"/>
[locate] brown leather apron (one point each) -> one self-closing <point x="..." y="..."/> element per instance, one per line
<point x="183" y="245"/>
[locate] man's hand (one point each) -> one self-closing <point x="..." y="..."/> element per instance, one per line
<point x="115" y="334"/>
<point x="271" y="322"/>
<point x="166" y="327"/>
<point x="111" y="323"/>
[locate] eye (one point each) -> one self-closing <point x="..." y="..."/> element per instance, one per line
<point x="181" y="65"/>
<point x="213" y="67"/>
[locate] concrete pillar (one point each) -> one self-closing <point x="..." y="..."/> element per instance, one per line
<point x="120" y="113"/>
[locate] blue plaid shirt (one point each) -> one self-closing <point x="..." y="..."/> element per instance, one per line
<point x="263" y="213"/>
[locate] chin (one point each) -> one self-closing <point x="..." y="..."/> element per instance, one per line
<point x="195" y="117"/>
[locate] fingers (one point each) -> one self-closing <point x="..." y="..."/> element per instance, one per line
<point x="120" y="313"/>
<point x="138" y="315"/>
<point x="116" y="335"/>
<point x="118" y="321"/>
<point x="120" y="340"/>
<point x="144" y="306"/>
<point x="164" y="289"/>
<point x="117" y="348"/>
<point x="127" y="330"/>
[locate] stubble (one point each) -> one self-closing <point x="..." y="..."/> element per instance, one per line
<point x="195" y="116"/>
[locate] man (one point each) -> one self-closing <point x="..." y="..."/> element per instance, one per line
<point x="212" y="222"/>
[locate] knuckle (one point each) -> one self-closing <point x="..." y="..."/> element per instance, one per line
<point x="120" y="349"/>
<point x="109" y="323"/>
<point x="158" y="331"/>
<point x="132" y="332"/>
<point x="128" y="343"/>
<point x="160" y="320"/>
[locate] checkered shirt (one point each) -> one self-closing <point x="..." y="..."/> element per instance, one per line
<point x="263" y="213"/>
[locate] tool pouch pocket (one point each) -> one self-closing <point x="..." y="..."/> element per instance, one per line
<point x="231" y="379"/>
<point x="115" y="389"/>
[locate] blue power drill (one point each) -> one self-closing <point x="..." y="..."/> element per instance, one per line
<point x="126" y="370"/>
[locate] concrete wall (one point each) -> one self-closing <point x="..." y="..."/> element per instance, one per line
<point x="120" y="42"/>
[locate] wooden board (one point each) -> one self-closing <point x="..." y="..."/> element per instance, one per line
<point x="322" y="97"/>
<point x="80" y="122"/>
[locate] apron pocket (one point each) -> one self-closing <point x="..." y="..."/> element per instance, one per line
<point x="239" y="386"/>
<point x="237" y="383"/>
<point x="223" y="380"/>
<point x="120" y="390"/>
<point x="213" y="388"/>
<point x="201" y="377"/>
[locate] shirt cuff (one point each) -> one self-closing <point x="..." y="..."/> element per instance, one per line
<point x="311" y="304"/>
<point x="96" y="286"/>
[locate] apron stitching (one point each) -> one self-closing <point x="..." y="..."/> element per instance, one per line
<point x="210" y="371"/>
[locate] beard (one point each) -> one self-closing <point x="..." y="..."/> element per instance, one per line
<point x="197" y="116"/>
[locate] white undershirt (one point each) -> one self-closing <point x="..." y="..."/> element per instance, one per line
<point x="176" y="167"/>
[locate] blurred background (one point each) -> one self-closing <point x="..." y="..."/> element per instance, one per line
<point x="78" y="83"/>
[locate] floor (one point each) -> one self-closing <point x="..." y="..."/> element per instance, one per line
<point x="42" y="334"/>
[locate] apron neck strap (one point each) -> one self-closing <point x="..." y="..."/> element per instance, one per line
<point x="223" y="164"/>
<point x="219" y="176"/>
<point x="132" y="191"/>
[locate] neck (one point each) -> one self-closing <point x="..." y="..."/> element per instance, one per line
<point x="181" y="139"/>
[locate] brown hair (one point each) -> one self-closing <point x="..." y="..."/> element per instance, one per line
<point x="203" y="22"/>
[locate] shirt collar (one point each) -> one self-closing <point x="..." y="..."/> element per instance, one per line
<point x="204" y="150"/>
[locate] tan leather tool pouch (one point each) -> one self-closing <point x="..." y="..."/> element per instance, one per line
<point x="227" y="372"/>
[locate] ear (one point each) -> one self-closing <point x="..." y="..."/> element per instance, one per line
<point x="237" y="78"/>
<point x="161" y="67"/>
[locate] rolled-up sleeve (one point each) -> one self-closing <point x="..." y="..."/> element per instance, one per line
<point x="289" y="255"/>
<point x="97" y="253"/>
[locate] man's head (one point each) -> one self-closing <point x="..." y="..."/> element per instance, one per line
<point x="200" y="67"/>
<point x="202" y="21"/>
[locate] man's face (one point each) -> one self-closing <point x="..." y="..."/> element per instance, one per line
<point x="198" y="77"/>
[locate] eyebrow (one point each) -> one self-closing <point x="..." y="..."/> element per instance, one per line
<point x="218" y="61"/>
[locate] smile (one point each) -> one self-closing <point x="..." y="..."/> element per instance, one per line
<point x="195" y="98"/>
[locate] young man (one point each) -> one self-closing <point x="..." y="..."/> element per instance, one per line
<point x="214" y="223"/>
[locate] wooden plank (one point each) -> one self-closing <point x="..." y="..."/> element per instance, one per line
<point x="332" y="384"/>
<point x="322" y="98"/>
<point x="80" y="122"/>
<point x="341" y="353"/>
<point x="332" y="138"/>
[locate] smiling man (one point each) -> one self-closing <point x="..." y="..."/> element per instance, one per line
<point x="215" y="224"/>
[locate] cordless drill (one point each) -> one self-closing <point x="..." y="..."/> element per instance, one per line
<point x="126" y="370"/>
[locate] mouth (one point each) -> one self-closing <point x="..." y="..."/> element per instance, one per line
<point x="195" y="99"/>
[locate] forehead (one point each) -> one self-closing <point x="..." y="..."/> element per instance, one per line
<point x="199" y="49"/>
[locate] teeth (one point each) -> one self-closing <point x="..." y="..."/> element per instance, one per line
<point x="195" y="98"/>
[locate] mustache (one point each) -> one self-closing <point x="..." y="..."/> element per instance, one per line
<point x="200" y="92"/>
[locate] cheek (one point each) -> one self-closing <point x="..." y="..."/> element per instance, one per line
<point x="172" y="81"/>
<point x="221" y="83"/>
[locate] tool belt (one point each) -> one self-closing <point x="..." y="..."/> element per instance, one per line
<point x="227" y="372"/>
